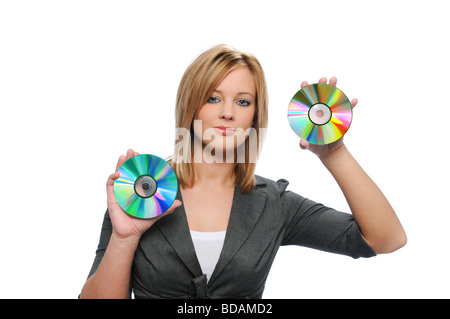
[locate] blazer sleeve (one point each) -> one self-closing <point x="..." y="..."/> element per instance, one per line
<point x="314" y="225"/>
<point x="105" y="236"/>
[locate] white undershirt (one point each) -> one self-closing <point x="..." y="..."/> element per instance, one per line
<point x="208" y="246"/>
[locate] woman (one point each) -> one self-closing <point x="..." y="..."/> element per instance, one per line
<point x="221" y="235"/>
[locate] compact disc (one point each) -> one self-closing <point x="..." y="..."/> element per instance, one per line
<point x="320" y="113"/>
<point x="147" y="186"/>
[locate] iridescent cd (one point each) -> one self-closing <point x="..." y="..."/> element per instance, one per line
<point x="320" y="113"/>
<point x="147" y="186"/>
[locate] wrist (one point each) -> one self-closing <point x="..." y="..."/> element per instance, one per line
<point x="335" y="155"/>
<point x="128" y="242"/>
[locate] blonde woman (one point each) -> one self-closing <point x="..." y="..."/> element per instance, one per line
<point x="221" y="235"/>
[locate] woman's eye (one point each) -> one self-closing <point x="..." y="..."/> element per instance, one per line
<point x="243" y="102"/>
<point x="213" y="99"/>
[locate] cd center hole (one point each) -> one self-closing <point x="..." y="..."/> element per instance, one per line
<point x="145" y="186"/>
<point x="320" y="113"/>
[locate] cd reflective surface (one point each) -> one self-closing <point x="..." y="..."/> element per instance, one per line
<point x="320" y="113"/>
<point x="147" y="186"/>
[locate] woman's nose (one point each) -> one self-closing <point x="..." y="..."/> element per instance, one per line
<point x="227" y="112"/>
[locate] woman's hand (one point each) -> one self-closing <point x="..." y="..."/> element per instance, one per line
<point x="126" y="226"/>
<point x="322" y="151"/>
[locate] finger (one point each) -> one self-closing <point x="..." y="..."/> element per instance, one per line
<point x="130" y="153"/>
<point x="333" y="81"/>
<point x="112" y="178"/>
<point x="121" y="160"/>
<point x="323" y="80"/>
<point x="354" y="102"/>
<point x="110" y="181"/>
<point x="304" y="144"/>
<point x="110" y="188"/>
<point x="304" y="83"/>
<point x="175" y="204"/>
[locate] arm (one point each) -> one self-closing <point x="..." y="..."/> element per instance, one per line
<point x="112" y="278"/>
<point x="376" y="219"/>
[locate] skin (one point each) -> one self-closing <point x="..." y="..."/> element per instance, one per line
<point x="112" y="278"/>
<point x="208" y="203"/>
<point x="377" y="220"/>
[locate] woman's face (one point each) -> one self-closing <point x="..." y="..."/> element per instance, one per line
<point x="229" y="111"/>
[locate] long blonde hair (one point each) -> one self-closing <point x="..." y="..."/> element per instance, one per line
<point x="198" y="83"/>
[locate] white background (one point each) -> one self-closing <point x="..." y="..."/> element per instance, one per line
<point x="83" y="81"/>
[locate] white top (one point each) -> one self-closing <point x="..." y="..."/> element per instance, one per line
<point x="208" y="246"/>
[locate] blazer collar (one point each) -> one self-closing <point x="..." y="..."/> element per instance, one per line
<point x="245" y="212"/>
<point x="175" y="229"/>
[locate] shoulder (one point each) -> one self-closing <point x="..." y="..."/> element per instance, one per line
<point x="277" y="190"/>
<point x="262" y="182"/>
<point x="270" y="187"/>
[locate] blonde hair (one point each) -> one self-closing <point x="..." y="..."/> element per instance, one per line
<point x="198" y="83"/>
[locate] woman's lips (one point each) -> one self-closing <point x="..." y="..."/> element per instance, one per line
<point x="224" y="130"/>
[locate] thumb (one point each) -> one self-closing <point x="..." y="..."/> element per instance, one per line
<point x="111" y="198"/>
<point x="304" y="144"/>
<point x="175" y="204"/>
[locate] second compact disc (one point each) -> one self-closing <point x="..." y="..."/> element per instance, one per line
<point x="320" y="113"/>
<point x="147" y="186"/>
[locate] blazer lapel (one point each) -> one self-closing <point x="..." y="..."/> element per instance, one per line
<point x="175" y="229"/>
<point x="245" y="212"/>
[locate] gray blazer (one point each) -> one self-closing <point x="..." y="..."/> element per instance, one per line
<point x="166" y="266"/>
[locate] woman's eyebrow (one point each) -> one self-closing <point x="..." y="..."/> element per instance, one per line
<point x="239" y="93"/>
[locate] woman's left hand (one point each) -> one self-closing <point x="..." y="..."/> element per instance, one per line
<point x="323" y="151"/>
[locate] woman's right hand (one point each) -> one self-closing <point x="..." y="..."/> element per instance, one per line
<point x="126" y="226"/>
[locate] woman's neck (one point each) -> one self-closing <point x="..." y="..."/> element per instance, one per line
<point x="214" y="174"/>
<point x="212" y="171"/>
